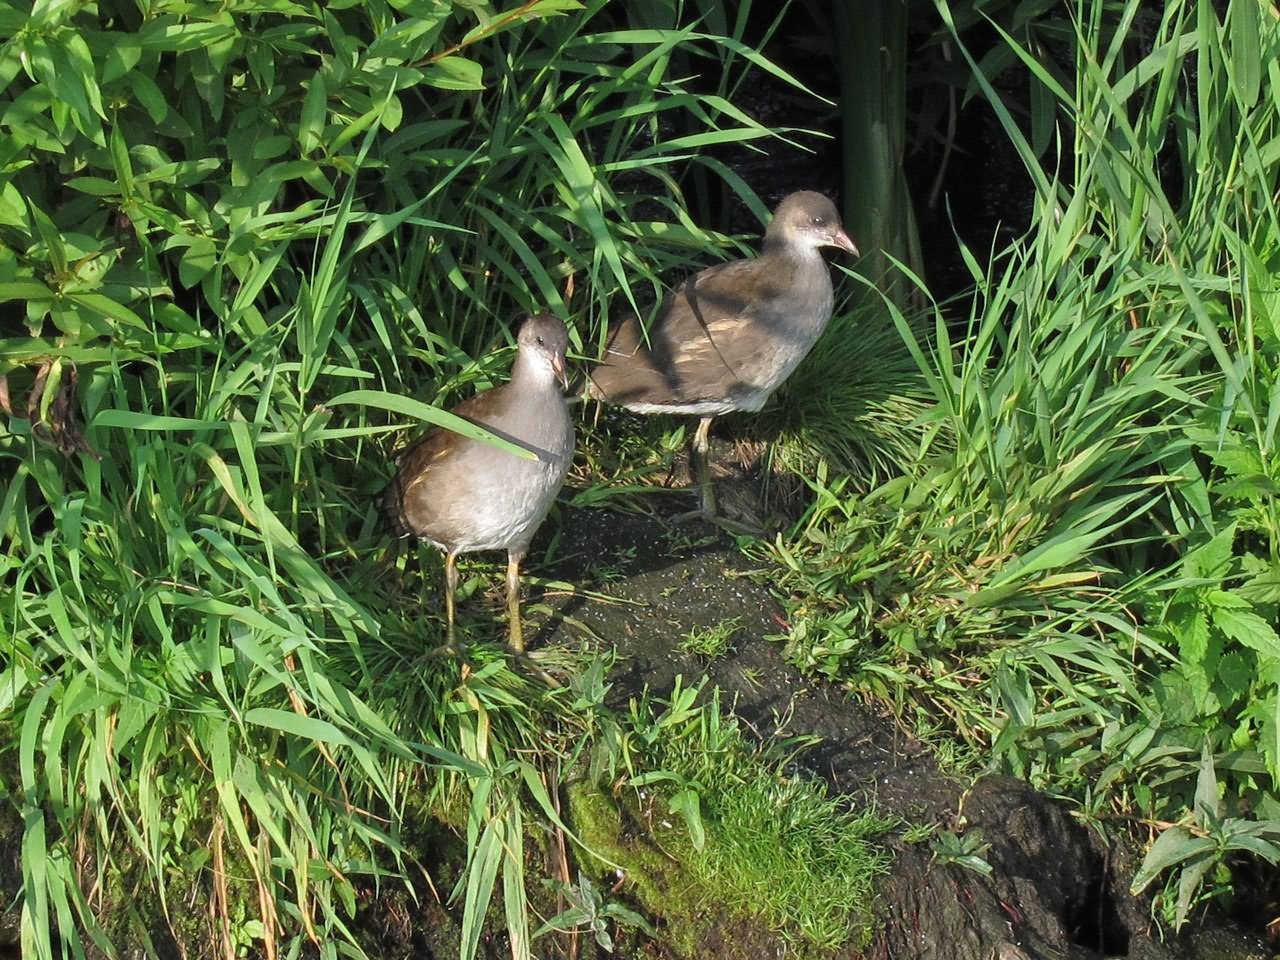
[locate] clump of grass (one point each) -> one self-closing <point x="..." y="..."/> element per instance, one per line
<point x="1075" y="569"/>
<point x="713" y="641"/>
<point x="857" y="401"/>
<point x="205" y="668"/>
<point x="740" y="829"/>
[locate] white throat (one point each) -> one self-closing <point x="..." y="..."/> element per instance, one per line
<point x="533" y="368"/>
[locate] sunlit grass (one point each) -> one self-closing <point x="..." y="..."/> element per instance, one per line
<point x="713" y="641"/>
<point x="1023" y="582"/>
<point x="740" y="833"/>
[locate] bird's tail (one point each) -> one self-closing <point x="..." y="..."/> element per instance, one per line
<point x="393" y="508"/>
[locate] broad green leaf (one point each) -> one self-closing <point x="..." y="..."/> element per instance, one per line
<point x="1246" y="627"/>
<point x="24" y="290"/>
<point x="1245" y="60"/>
<point x="454" y="73"/>
<point x="298" y="725"/>
<point x="315" y="107"/>
<point x="1175" y="845"/>
<point x="687" y="804"/>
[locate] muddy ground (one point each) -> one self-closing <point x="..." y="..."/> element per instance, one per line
<point x="1056" y="890"/>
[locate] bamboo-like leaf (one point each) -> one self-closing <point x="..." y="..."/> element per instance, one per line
<point x="421" y="411"/>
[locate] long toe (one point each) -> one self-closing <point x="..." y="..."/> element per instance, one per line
<point x="450" y="648"/>
<point x="732" y="527"/>
<point x="529" y="664"/>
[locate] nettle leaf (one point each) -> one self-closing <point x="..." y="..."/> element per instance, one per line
<point x="1226" y="600"/>
<point x="1263" y="587"/>
<point x="1236" y="459"/>
<point x="1246" y="627"/>
<point x="1235" y="676"/>
<point x="1249" y="488"/>
<point x="1200" y="683"/>
<point x="1211" y="560"/>
<point x="1267" y="712"/>
<point x="1173" y="693"/>
<point x="1191" y="630"/>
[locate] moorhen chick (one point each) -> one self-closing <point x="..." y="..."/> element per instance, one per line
<point x="464" y="495"/>
<point x="727" y="337"/>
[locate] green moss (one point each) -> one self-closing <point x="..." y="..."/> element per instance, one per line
<point x="695" y="923"/>
<point x="781" y="864"/>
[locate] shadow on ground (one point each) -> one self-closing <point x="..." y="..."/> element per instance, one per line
<point x="643" y="583"/>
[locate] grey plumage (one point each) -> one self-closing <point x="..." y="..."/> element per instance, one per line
<point x="463" y="495"/>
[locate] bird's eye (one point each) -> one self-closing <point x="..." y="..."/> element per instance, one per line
<point x="818" y="221"/>
<point x="539" y="339"/>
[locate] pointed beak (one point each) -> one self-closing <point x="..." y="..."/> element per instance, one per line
<point x="841" y="240"/>
<point x="558" y="368"/>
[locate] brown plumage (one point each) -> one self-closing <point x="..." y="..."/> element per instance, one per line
<point x="464" y="495"/>
<point x="729" y="336"/>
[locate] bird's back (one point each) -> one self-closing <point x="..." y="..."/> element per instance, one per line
<point x="724" y="339"/>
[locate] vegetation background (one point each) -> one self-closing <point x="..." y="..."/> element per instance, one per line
<point x="244" y="246"/>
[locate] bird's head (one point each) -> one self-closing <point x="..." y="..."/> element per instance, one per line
<point x="544" y="339"/>
<point x="808" y="220"/>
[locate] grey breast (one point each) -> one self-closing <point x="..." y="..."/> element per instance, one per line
<point x="511" y="495"/>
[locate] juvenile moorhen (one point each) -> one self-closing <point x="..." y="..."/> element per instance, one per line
<point x="727" y="337"/>
<point x="463" y="495"/>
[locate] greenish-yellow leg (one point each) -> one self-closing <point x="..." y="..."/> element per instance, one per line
<point x="513" y="600"/>
<point x="701" y="446"/>
<point x="450" y="595"/>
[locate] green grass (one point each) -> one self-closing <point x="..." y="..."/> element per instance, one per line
<point x="1074" y="571"/>
<point x="257" y="249"/>
<point x="729" y="830"/>
<point x="711" y="642"/>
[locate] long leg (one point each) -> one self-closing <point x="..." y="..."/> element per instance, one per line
<point x="513" y="600"/>
<point x="701" y="444"/>
<point x="450" y="594"/>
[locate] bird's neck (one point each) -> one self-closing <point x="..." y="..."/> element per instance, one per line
<point x="532" y="373"/>
<point x="784" y="248"/>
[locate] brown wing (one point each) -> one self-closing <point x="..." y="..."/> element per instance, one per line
<point x="697" y="343"/>
<point x="407" y="510"/>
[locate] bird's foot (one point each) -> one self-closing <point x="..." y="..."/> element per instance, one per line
<point x="528" y="661"/>
<point x="692" y="516"/>
<point x="729" y="526"/>
<point x="451" y="648"/>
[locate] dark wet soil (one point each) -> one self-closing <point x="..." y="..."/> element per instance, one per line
<point x="1056" y="890"/>
<point x="658" y="582"/>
